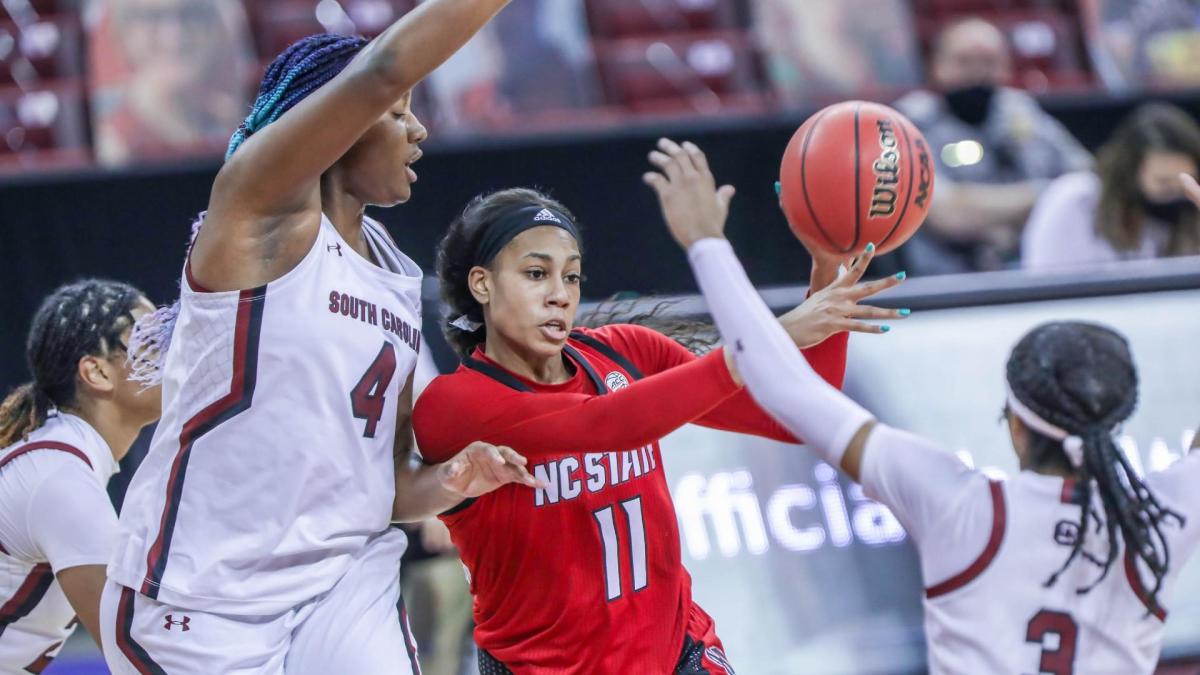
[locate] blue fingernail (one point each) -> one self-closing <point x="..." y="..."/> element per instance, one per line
<point x="902" y="275"/>
<point x="870" y="247"/>
<point x="905" y="312"/>
<point x="778" y="189"/>
<point x="884" y="329"/>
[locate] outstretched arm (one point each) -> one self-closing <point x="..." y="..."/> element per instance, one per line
<point x="261" y="211"/>
<point x="547" y="423"/>
<point x="423" y="491"/>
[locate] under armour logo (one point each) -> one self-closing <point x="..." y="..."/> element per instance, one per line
<point x="335" y="247"/>
<point x="182" y="624"/>
<point x="546" y="215"/>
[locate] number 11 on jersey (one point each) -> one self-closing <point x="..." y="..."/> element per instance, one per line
<point x="606" y="521"/>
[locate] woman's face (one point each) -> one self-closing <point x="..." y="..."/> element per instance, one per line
<point x="1158" y="176"/>
<point x="378" y="168"/>
<point x="530" y="294"/>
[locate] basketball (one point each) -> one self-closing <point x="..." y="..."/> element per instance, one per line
<point x="854" y="173"/>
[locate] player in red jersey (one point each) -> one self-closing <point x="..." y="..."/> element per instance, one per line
<point x="584" y="574"/>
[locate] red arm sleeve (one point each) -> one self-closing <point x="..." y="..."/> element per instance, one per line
<point x="449" y="416"/>
<point x="653" y="352"/>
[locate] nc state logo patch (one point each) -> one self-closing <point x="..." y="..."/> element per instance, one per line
<point x="616" y="380"/>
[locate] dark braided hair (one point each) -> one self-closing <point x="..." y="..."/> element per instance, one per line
<point x="85" y="318"/>
<point x="300" y="70"/>
<point x="1081" y="378"/>
<point x="455" y="256"/>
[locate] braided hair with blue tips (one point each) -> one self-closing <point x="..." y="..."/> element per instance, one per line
<point x="300" y="70"/>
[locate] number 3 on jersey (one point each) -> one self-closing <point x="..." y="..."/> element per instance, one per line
<point x="366" y="398"/>
<point x="606" y="521"/>
<point x="1061" y="659"/>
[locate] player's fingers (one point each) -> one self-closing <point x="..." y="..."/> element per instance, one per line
<point x="858" y="267"/>
<point x="661" y="159"/>
<point x="677" y="153"/>
<point x="725" y="194"/>
<point x="862" y="327"/>
<point x="656" y="181"/>
<point x="873" y="312"/>
<point x="699" y="160"/>
<point x="870" y="288"/>
<point x="512" y="456"/>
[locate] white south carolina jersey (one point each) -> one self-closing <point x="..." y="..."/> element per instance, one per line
<point x="988" y="547"/>
<point x="272" y="465"/>
<point x="54" y="515"/>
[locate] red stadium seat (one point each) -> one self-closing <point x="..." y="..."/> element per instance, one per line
<point x="39" y="7"/>
<point x="625" y="18"/>
<point x="700" y="72"/>
<point x="51" y="118"/>
<point x="279" y="23"/>
<point x="40" y="51"/>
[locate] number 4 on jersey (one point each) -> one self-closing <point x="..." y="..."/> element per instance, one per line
<point x="367" y="399"/>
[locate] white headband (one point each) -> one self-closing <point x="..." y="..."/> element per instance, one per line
<point x="1072" y="445"/>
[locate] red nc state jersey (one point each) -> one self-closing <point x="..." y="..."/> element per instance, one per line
<point x="585" y="574"/>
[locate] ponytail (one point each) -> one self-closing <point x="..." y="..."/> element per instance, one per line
<point x="23" y="411"/>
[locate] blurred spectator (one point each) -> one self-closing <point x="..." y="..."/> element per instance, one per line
<point x="1138" y="43"/>
<point x="1132" y="206"/>
<point x="826" y="48"/>
<point x="168" y="77"/>
<point x="438" y="600"/>
<point x="995" y="150"/>
<point x="533" y="60"/>
<point x="434" y="582"/>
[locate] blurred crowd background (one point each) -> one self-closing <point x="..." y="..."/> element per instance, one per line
<point x="120" y="83"/>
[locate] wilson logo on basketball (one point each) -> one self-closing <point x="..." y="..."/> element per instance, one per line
<point x="925" y="174"/>
<point x="616" y="380"/>
<point x="887" y="172"/>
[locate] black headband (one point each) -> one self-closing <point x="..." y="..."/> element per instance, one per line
<point x="508" y="226"/>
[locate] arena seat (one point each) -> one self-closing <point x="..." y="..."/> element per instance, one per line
<point x="46" y="126"/>
<point x="610" y="19"/>
<point x="695" y="71"/>
<point x="43" y="50"/>
<point x="279" y="23"/>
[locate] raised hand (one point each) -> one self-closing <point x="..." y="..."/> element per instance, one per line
<point x="482" y="467"/>
<point x="693" y="206"/>
<point x="836" y="307"/>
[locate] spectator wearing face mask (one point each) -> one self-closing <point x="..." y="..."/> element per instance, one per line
<point x="995" y="148"/>
<point x="1133" y="206"/>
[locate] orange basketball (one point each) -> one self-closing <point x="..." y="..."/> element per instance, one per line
<point x="854" y="173"/>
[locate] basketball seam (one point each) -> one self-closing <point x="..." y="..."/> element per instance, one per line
<point x="804" y="182"/>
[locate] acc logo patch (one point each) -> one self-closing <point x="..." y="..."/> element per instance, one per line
<point x="616" y="380"/>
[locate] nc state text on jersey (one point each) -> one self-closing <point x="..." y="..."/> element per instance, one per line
<point x="356" y="308"/>
<point x="564" y="479"/>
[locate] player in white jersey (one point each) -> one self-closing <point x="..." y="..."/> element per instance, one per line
<point x="61" y="436"/>
<point x="256" y="535"/>
<point x="1059" y="569"/>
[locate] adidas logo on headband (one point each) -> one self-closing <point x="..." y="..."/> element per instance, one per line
<point x="546" y="215"/>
